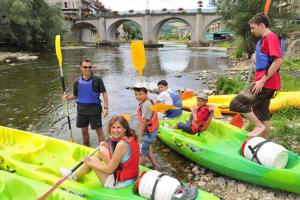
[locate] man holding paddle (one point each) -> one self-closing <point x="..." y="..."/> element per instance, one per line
<point x="87" y="90"/>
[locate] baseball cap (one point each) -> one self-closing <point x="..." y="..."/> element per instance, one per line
<point x="202" y="95"/>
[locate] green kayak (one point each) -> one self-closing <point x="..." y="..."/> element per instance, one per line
<point x="40" y="158"/>
<point x="219" y="149"/>
<point x="14" y="187"/>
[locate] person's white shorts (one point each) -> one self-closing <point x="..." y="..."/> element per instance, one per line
<point x="110" y="181"/>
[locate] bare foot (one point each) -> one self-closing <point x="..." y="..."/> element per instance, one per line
<point x="257" y="131"/>
<point x="154" y="167"/>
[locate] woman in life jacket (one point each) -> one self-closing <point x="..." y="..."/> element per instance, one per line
<point x="120" y="156"/>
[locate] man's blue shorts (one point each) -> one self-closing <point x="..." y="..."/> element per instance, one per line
<point x="148" y="139"/>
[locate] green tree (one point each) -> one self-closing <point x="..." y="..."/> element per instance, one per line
<point x="133" y="30"/>
<point x="29" y="24"/>
<point x="237" y="13"/>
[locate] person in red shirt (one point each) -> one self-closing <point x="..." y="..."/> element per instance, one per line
<point x="254" y="100"/>
<point x="198" y="116"/>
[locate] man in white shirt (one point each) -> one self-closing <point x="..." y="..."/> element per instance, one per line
<point x="168" y="96"/>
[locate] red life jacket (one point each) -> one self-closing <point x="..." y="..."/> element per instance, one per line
<point x="129" y="169"/>
<point x="200" y="126"/>
<point x="152" y="123"/>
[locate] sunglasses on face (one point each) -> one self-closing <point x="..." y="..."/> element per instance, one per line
<point x="87" y="67"/>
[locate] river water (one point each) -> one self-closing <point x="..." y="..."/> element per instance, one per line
<point x="30" y="97"/>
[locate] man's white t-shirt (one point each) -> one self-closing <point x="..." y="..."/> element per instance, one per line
<point x="165" y="97"/>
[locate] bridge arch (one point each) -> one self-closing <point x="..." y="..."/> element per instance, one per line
<point x="112" y="28"/>
<point x="85" y="32"/>
<point x="158" y="24"/>
<point x="207" y="25"/>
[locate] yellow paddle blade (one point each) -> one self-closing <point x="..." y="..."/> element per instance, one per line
<point x="187" y="95"/>
<point x="127" y="116"/>
<point x="138" y="56"/>
<point x="58" y="50"/>
<point x="159" y="107"/>
<point x="217" y="113"/>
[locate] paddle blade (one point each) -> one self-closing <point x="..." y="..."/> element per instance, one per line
<point x="127" y="116"/>
<point x="159" y="107"/>
<point x="237" y="121"/>
<point x="217" y="113"/>
<point x="187" y="95"/>
<point x="138" y="56"/>
<point x="267" y="7"/>
<point x="58" y="50"/>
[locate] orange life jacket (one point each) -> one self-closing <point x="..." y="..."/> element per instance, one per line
<point x="152" y="123"/>
<point x="200" y="126"/>
<point x="129" y="169"/>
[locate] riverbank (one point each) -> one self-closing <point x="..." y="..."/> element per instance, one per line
<point x="19" y="56"/>
<point x="225" y="187"/>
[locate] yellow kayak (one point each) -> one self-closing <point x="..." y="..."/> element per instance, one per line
<point x="281" y="100"/>
<point x="40" y="158"/>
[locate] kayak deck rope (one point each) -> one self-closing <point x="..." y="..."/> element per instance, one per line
<point x="75" y="193"/>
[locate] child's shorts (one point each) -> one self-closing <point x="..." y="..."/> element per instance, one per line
<point x="148" y="139"/>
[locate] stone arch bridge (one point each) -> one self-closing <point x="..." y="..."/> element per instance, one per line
<point x="103" y="29"/>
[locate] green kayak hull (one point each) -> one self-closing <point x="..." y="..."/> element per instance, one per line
<point x="40" y="158"/>
<point x="219" y="149"/>
<point x="14" y="187"/>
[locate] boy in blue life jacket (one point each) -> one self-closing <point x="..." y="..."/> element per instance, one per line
<point x="168" y="96"/>
<point x="253" y="102"/>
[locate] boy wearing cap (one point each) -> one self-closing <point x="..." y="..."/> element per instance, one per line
<point x="148" y="124"/>
<point x="198" y="116"/>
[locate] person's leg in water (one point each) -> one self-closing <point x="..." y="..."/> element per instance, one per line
<point x="259" y="126"/>
<point x="144" y="151"/>
<point x="100" y="134"/>
<point x="85" y="136"/>
<point x="266" y="132"/>
<point x="151" y="158"/>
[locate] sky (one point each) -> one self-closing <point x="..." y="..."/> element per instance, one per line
<point x="126" y="5"/>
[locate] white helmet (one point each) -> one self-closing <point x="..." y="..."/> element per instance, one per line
<point x="140" y="85"/>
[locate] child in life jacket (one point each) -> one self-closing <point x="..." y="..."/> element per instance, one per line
<point x="148" y="124"/>
<point x="198" y="116"/>
<point x="117" y="162"/>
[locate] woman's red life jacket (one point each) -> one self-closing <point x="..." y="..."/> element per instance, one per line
<point x="129" y="169"/>
<point x="152" y="123"/>
<point x="199" y="126"/>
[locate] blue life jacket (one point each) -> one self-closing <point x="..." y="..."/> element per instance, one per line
<point x="86" y="94"/>
<point x="177" y="103"/>
<point x="264" y="61"/>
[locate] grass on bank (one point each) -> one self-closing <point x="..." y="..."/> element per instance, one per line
<point x="293" y="64"/>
